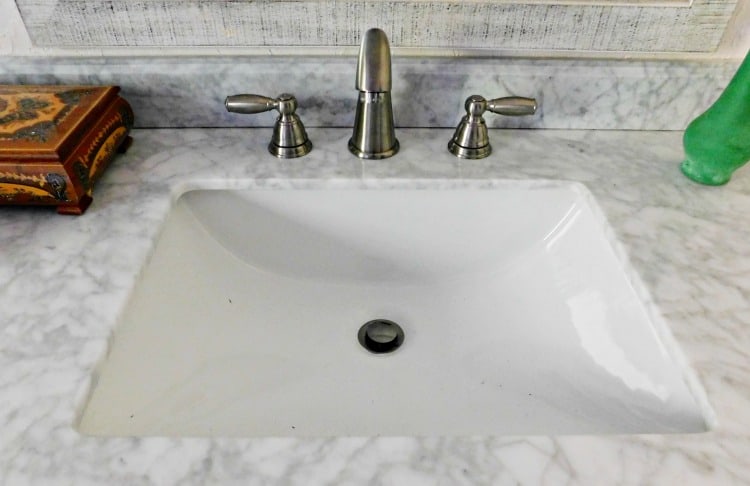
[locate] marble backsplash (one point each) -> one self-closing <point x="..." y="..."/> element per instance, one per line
<point x="568" y="25"/>
<point x="427" y="92"/>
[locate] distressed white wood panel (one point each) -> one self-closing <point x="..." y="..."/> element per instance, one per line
<point x="414" y="23"/>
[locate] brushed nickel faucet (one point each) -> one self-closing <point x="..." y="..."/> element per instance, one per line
<point x="289" y="138"/>
<point x="374" y="136"/>
<point x="471" y="139"/>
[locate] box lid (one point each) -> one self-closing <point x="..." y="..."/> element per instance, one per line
<point x="47" y="122"/>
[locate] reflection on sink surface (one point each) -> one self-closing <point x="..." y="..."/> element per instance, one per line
<point x="519" y="318"/>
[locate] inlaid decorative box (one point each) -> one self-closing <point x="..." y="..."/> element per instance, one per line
<point x="56" y="141"/>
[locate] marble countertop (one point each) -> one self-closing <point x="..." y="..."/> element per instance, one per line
<point x="64" y="280"/>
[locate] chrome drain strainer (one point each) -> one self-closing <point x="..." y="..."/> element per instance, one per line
<point x="381" y="336"/>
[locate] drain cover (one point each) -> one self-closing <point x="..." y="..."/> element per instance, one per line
<point x="380" y="336"/>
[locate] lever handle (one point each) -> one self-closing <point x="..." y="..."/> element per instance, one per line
<point x="289" y="137"/>
<point x="512" y="106"/>
<point x="471" y="139"/>
<point x="250" y="104"/>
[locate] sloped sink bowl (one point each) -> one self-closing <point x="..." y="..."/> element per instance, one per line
<point x="520" y="317"/>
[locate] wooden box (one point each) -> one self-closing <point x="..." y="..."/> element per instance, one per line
<point x="55" y="142"/>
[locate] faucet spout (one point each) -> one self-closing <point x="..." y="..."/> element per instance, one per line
<point x="374" y="63"/>
<point x="374" y="136"/>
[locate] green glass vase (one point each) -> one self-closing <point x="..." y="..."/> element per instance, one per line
<point x="718" y="142"/>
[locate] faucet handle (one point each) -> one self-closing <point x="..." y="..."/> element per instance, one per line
<point x="471" y="139"/>
<point x="250" y="104"/>
<point x="289" y="136"/>
<point x="512" y="106"/>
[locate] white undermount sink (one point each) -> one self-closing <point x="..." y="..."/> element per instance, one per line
<point x="520" y="315"/>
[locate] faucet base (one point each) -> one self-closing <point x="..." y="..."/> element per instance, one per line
<point x="469" y="152"/>
<point x="290" y="152"/>
<point x="374" y="156"/>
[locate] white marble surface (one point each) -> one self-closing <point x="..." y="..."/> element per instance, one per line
<point x="427" y="92"/>
<point x="63" y="281"/>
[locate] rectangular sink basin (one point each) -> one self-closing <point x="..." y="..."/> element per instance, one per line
<point x="520" y="316"/>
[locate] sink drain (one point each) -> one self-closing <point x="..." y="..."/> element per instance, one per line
<point x="381" y="336"/>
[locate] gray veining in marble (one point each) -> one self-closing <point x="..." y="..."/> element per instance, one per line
<point x="427" y="92"/>
<point x="63" y="281"/>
